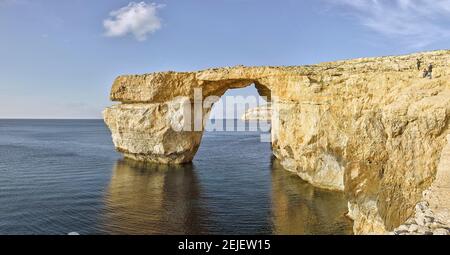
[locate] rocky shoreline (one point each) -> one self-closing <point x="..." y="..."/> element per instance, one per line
<point x="424" y="222"/>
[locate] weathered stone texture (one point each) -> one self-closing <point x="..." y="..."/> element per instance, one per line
<point x="373" y="127"/>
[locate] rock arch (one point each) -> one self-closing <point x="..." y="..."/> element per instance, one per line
<point x="372" y="126"/>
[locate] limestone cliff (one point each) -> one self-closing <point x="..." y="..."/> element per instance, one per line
<point x="263" y="112"/>
<point x="373" y="127"/>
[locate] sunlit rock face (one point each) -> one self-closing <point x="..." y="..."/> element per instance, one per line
<point x="373" y="127"/>
<point x="432" y="213"/>
<point x="153" y="132"/>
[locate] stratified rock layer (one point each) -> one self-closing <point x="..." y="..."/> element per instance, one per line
<point x="373" y="127"/>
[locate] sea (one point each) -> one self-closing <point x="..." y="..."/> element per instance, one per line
<point x="64" y="176"/>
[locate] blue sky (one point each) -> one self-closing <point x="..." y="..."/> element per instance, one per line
<point x="58" y="58"/>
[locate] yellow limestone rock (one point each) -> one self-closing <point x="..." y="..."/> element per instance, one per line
<point x="373" y="127"/>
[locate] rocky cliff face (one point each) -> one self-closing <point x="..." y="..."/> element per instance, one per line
<point x="373" y="127"/>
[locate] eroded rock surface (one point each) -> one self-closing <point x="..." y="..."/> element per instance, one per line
<point x="432" y="213"/>
<point x="373" y="127"/>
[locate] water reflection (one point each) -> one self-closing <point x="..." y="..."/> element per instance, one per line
<point x="161" y="199"/>
<point x="300" y="208"/>
<point x="153" y="199"/>
<point x="48" y="187"/>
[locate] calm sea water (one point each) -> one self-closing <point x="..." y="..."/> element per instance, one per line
<point x="60" y="176"/>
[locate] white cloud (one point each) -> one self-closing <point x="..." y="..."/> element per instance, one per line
<point x="139" y="19"/>
<point x="415" y="22"/>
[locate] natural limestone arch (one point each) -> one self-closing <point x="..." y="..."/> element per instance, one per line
<point x="170" y="131"/>
<point x="373" y="127"/>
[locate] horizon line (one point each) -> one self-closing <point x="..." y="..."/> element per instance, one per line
<point x="89" y="119"/>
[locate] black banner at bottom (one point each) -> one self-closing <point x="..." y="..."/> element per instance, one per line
<point x="223" y="245"/>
